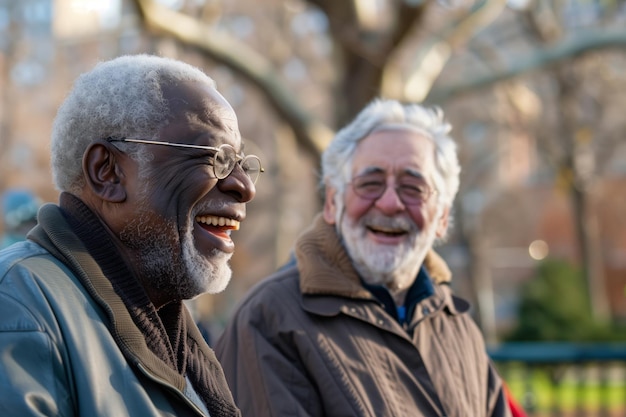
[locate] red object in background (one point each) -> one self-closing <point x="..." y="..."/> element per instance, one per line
<point x="516" y="409"/>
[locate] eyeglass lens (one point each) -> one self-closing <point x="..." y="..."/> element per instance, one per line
<point x="410" y="190"/>
<point x="225" y="159"/>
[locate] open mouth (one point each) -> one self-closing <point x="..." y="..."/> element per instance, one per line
<point x="221" y="226"/>
<point x="384" y="231"/>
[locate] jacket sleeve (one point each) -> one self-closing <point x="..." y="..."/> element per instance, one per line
<point x="497" y="401"/>
<point x="262" y="365"/>
<point x="32" y="378"/>
<point x="516" y="409"/>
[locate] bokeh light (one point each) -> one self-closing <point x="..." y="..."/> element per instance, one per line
<point x="538" y="249"/>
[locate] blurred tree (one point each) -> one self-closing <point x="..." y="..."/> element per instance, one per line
<point x="571" y="150"/>
<point x="563" y="105"/>
<point x="569" y="133"/>
<point x="555" y="307"/>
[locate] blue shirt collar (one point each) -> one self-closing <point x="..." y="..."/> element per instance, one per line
<point x="421" y="288"/>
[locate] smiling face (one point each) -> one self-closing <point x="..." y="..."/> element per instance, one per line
<point x="386" y="238"/>
<point x="181" y="216"/>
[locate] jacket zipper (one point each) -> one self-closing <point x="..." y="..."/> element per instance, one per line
<point x="171" y="387"/>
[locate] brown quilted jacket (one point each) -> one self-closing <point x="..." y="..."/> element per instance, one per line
<point x="311" y="341"/>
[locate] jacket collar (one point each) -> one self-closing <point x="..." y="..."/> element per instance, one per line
<point x="322" y="259"/>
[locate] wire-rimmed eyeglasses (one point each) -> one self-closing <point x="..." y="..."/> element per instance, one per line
<point x="223" y="161"/>
<point x="410" y="189"/>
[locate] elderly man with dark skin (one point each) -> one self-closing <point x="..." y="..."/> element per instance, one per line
<point x="363" y="322"/>
<point x="148" y="158"/>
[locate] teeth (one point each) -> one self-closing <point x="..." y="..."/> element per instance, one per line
<point x="383" y="229"/>
<point x="218" y="221"/>
<point x="387" y="230"/>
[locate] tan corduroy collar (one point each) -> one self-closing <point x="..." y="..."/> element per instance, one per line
<point x="325" y="267"/>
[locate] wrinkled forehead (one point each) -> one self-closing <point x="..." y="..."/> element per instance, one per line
<point x="217" y="112"/>
<point x="200" y="104"/>
<point x="394" y="150"/>
<point x="220" y="118"/>
<point x="403" y="126"/>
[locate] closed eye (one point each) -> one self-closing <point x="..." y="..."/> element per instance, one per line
<point x="365" y="185"/>
<point x="413" y="189"/>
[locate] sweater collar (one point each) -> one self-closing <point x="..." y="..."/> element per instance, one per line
<point x="163" y="330"/>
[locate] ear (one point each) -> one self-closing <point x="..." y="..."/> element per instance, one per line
<point x="330" y="208"/>
<point x="442" y="223"/>
<point x="103" y="173"/>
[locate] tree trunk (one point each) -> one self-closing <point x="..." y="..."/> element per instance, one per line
<point x="591" y="253"/>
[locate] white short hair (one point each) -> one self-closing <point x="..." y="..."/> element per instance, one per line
<point x="117" y="98"/>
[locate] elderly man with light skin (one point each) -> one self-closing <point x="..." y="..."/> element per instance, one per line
<point x="149" y="161"/>
<point x="363" y="322"/>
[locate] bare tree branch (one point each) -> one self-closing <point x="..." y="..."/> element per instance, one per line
<point x="577" y="45"/>
<point x="310" y="133"/>
<point x="432" y="58"/>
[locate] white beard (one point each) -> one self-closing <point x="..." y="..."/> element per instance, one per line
<point x="206" y="275"/>
<point x="394" y="266"/>
<point x="185" y="274"/>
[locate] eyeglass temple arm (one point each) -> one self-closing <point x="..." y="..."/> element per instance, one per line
<point x="180" y="145"/>
<point x="158" y="142"/>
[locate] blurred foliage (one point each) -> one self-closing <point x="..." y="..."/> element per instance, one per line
<point x="554" y="306"/>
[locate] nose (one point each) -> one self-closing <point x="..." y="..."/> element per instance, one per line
<point x="238" y="184"/>
<point x="390" y="202"/>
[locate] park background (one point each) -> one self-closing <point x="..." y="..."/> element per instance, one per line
<point x="535" y="91"/>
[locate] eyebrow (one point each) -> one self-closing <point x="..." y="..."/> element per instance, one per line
<point x="414" y="173"/>
<point x="371" y="170"/>
<point x="378" y="170"/>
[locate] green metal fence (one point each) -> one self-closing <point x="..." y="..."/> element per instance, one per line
<point x="565" y="379"/>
